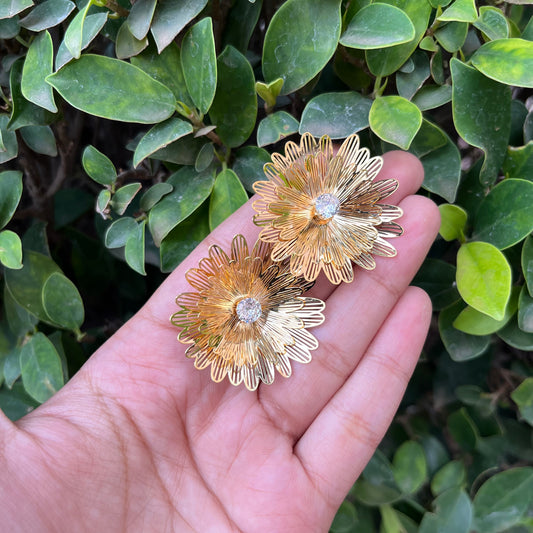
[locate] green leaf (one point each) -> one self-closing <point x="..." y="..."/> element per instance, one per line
<point x="16" y="403"/>
<point x="171" y="17"/>
<point x="9" y="141"/>
<point x="190" y="191"/>
<point x="47" y="15"/>
<point x="428" y="139"/>
<point x="385" y="61"/>
<point x="453" y="513"/>
<point x="140" y="17"/>
<point x="345" y="518"/>
<point x="12" y="367"/>
<point x="512" y="335"/>
<point x="40" y="139"/>
<point x="113" y="89"/>
<point x="74" y="34"/>
<point x="474" y="322"/>
<point x="298" y="52"/>
<point x="437" y="278"/>
<point x="10" y="193"/>
<point x="336" y="114"/>
<point x="378" y="26"/>
<point x="409" y="467"/>
<point x="452" y="35"/>
<point x="126" y="44"/>
<point x="503" y="500"/>
<point x="527" y="263"/>
<point x="165" y="68"/>
<point x="198" y="58"/>
<point x="62" y="301"/>
<point x="40" y="365"/>
<point x="92" y="25"/>
<point x="372" y="495"/>
<point x="183" y="239"/>
<point x="472" y="95"/>
<point x="154" y="194"/>
<point x="240" y="24"/>
<point x="10" y="8"/>
<point x="134" y="250"/>
<point x="227" y="196"/>
<point x="269" y="92"/>
<point x="275" y="127"/>
<point x="205" y="157"/>
<point x="9" y="28"/>
<point x="452" y="222"/>
<point x="249" y="163"/>
<point x="492" y="23"/>
<point x="118" y="233"/>
<point x="523" y="397"/>
<point x="484" y="278"/>
<point x="463" y="429"/>
<point x="24" y="113"/>
<point x="408" y="83"/>
<point x="98" y="166"/>
<point x="525" y="311"/>
<point x="518" y="162"/>
<point x="234" y="108"/>
<point x="159" y="136"/>
<point x="123" y="197"/>
<point x="10" y="249"/>
<point x="508" y="61"/>
<point x="499" y="224"/>
<point x="451" y="475"/>
<point x="432" y="96"/>
<point x="460" y="346"/>
<point x="102" y="202"/>
<point x="395" y="120"/>
<point x="19" y="320"/>
<point x="184" y="151"/>
<point x="461" y="11"/>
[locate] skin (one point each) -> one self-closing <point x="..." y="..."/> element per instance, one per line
<point x="139" y="440"/>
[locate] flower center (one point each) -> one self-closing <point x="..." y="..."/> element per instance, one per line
<point x="249" y="310"/>
<point x="326" y="206"/>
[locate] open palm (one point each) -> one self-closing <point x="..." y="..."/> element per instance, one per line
<point x="139" y="440"/>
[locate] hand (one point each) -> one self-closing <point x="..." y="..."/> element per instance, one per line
<point x="139" y="440"/>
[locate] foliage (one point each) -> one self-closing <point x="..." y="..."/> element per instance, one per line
<point x="129" y="130"/>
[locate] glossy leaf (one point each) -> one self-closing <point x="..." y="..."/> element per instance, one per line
<point x="511" y="334"/>
<point x="10" y="249"/>
<point x="492" y="23"/>
<point x="184" y="151"/>
<point x="9" y="28"/>
<point x="432" y="96"/>
<point x="269" y="92"/>
<point x="508" y="61"/>
<point x="240" y="24"/>
<point x="10" y="193"/>
<point x="171" y="17"/>
<point x="496" y="223"/>
<point x="154" y="194"/>
<point x="140" y="17"/>
<point x="227" y="196"/>
<point x="378" y="26"/>
<point x="135" y="250"/>
<point x="74" y="34"/>
<point x="484" y="278"/>
<point x="126" y="44"/>
<point x="9" y="141"/>
<point x="345" y="518"/>
<point x="190" y="191"/>
<point x="336" y="114"/>
<point x="452" y="36"/>
<point x="275" y="127"/>
<point x="118" y="233"/>
<point x="298" y="52"/>
<point x="453" y="513"/>
<point x="160" y="136"/>
<point x="461" y="11"/>
<point x="518" y="162"/>
<point x="198" y="58"/>
<point x="409" y="466"/>
<point x="62" y="301"/>
<point x="463" y="429"/>
<point x="437" y="278"/>
<point x="10" y="8"/>
<point x="460" y="346"/>
<point x="102" y="202"/>
<point x="40" y="365"/>
<point x="47" y="15"/>
<point x="249" y="163"/>
<point x="395" y="120"/>
<point x="98" y="166"/>
<point x="234" y="108"/>
<point x="452" y="222"/>
<point x="525" y="311"/>
<point x="40" y="139"/>
<point x="428" y="139"/>
<point x="19" y="320"/>
<point x="385" y="61"/>
<point x="472" y="95"/>
<point x="527" y="263"/>
<point x="205" y="157"/>
<point x="501" y="501"/>
<point x="113" y="89"/>
<point x="12" y="367"/>
<point x="452" y="474"/>
<point x="165" y="68"/>
<point x="523" y="397"/>
<point x="123" y="197"/>
<point x="409" y="83"/>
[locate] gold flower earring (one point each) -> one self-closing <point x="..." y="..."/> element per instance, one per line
<point x="248" y="317"/>
<point x="321" y="211"/>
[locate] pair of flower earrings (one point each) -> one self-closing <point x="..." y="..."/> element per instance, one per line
<point x="319" y="211"/>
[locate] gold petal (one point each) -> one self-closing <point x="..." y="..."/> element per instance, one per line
<point x="269" y="234"/>
<point x="283" y="365"/>
<point x="264" y="219"/>
<point x="282" y="250"/>
<point x="235" y="374"/>
<point x="385" y="187"/>
<point x="218" y="257"/>
<point x="181" y="319"/>
<point x="251" y="381"/>
<point x="188" y="300"/>
<point x="203" y="359"/>
<point x="382" y="247"/>
<point x="239" y="248"/>
<point x="198" y="279"/>
<point x="267" y="189"/>
<point x="347" y="271"/>
<point x="265" y="368"/>
<point x="272" y="172"/>
<point x="349" y="149"/>
<point x="390" y="212"/>
<point x="219" y="369"/>
<point x="366" y="261"/>
<point x="298" y="353"/>
<point x="304" y="339"/>
<point x="326" y="146"/>
<point x="390" y="229"/>
<point x="308" y="144"/>
<point x="332" y="272"/>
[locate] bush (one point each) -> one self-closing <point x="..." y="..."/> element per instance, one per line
<point x="129" y="131"/>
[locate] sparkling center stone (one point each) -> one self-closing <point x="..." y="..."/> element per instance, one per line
<point x="249" y="310"/>
<point x="326" y="206"/>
